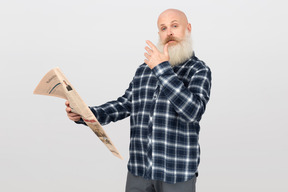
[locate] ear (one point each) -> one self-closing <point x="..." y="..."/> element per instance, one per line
<point x="189" y="27"/>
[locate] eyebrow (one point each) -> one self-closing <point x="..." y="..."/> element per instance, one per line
<point x="171" y="22"/>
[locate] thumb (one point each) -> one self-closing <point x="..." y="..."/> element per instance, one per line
<point x="165" y="51"/>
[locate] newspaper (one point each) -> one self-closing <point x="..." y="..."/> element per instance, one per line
<point x="54" y="83"/>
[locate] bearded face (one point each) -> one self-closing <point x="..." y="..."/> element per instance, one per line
<point x="179" y="50"/>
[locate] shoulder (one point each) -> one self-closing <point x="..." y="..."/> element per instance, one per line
<point x="143" y="68"/>
<point x="194" y="67"/>
<point x="197" y="65"/>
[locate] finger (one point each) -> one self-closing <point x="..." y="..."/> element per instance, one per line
<point x="73" y="115"/>
<point x="147" y="55"/>
<point x="165" y="49"/>
<point x="153" y="47"/>
<point x="146" y="61"/>
<point x="74" y="118"/>
<point x="67" y="103"/>
<point x="68" y="109"/>
<point x="148" y="50"/>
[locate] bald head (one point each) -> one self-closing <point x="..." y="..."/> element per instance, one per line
<point x="174" y="14"/>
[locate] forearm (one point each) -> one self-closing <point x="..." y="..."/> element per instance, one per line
<point x="188" y="101"/>
<point x="112" y="111"/>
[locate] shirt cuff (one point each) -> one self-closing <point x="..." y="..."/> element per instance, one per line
<point x="81" y="121"/>
<point x="162" y="68"/>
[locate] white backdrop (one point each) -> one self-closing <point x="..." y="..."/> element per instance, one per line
<point x="99" y="44"/>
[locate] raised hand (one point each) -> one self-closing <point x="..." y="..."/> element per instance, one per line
<point x="153" y="56"/>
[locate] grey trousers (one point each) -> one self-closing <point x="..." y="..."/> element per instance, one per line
<point x="139" y="184"/>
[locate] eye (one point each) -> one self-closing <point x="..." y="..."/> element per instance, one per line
<point x="163" y="28"/>
<point x="175" y="25"/>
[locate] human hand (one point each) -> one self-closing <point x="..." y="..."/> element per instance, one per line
<point x="153" y="56"/>
<point x="72" y="116"/>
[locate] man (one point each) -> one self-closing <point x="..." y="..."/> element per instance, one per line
<point x="165" y="102"/>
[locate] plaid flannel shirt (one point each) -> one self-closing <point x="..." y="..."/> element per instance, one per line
<point x="165" y="105"/>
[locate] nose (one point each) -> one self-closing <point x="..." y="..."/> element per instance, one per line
<point x="169" y="32"/>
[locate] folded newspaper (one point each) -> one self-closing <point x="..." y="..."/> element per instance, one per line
<point x="54" y="83"/>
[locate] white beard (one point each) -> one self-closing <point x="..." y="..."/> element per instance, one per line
<point x="180" y="52"/>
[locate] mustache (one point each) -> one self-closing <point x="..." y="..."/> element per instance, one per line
<point x="170" y="38"/>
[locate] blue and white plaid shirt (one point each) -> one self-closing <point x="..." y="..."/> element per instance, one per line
<point x="165" y="105"/>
